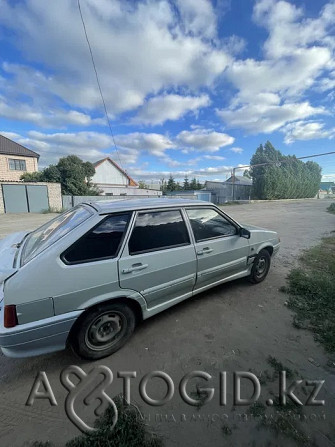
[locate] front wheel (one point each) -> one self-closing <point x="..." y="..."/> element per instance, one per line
<point x="103" y="330"/>
<point x="260" y="267"/>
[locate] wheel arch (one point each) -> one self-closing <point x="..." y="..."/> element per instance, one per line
<point x="130" y="302"/>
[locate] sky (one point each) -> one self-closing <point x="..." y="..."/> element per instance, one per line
<point x="192" y="87"/>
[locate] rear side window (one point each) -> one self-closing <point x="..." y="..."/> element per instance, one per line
<point x="207" y="224"/>
<point x="158" y="230"/>
<point x="102" y="242"/>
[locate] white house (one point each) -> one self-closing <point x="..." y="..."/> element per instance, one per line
<point x="114" y="181"/>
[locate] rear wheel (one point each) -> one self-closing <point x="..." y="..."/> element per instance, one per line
<point x="103" y="330"/>
<point x="260" y="267"/>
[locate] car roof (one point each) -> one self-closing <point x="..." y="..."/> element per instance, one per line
<point x="112" y="206"/>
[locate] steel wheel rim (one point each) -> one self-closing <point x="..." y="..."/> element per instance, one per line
<point x="261" y="267"/>
<point x="105" y="331"/>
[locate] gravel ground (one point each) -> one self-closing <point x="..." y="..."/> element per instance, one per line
<point x="233" y="327"/>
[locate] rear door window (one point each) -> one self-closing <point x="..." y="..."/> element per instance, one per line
<point x="158" y="230"/>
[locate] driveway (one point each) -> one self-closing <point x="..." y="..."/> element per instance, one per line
<point x="234" y="327"/>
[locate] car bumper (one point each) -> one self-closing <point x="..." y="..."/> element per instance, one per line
<point x="275" y="249"/>
<point x="38" y="337"/>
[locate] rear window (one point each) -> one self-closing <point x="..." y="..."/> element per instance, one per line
<point x="52" y="231"/>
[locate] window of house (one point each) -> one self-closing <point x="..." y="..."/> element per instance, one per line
<point x="158" y="230"/>
<point x="207" y="224"/>
<point x="17" y="165"/>
<point x="102" y="242"/>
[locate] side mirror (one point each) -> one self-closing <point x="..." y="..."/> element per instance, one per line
<point x="245" y="233"/>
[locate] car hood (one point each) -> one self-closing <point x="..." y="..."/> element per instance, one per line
<point x="8" y="248"/>
<point x="253" y="227"/>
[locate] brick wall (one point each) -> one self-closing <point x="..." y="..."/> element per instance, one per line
<point x="13" y="176"/>
<point x="54" y="193"/>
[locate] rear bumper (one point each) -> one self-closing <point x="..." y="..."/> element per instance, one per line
<point x="38" y="337"/>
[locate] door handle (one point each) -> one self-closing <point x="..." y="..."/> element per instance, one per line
<point x="135" y="268"/>
<point x="204" y="251"/>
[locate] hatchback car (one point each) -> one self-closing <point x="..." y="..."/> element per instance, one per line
<point x="87" y="277"/>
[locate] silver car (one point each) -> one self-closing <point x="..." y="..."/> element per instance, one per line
<point x="87" y="277"/>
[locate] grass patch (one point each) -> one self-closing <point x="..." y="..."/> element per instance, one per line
<point x="278" y="366"/>
<point x="281" y="421"/>
<point x="311" y="290"/>
<point x="331" y="208"/>
<point x="53" y="210"/>
<point x="129" y="431"/>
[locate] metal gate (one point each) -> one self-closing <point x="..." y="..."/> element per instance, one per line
<point x="25" y="198"/>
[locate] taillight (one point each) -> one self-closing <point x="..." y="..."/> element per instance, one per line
<point x="10" y="317"/>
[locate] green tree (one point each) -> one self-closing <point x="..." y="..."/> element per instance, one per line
<point x="282" y="176"/>
<point x="193" y="184"/>
<point x="186" y="184"/>
<point x="142" y="185"/>
<point x="199" y="185"/>
<point x="246" y="174"/>
<point x="171" y="184"/>
<point x="72" y="173"/>
<point x="31" y="177"/>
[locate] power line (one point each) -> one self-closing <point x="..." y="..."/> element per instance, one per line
<point x="98" y="82"/>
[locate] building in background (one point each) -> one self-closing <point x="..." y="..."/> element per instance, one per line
<point x="114" y="181"/>
<point x="15" y="160"/>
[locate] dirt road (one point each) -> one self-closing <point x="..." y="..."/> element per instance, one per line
<point x="234" y="327"/>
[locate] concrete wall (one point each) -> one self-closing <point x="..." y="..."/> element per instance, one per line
<point x="13" y="176"/>
<point x="54" y="194"/>
<point x="70" y="201"/>
<point x="127" y="190"/>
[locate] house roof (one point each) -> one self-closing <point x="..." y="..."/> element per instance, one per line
<point x="241" y="180"/>
<point x="99" y="162"/>
<point x="9" y="147"/>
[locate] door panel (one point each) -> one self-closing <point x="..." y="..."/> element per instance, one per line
<point x="159" y="260"/>
<point x="221" y="252"/>
<point x="220" y="258"/>
<point x="37" y="198"/>
<point x="166" y="274"/>
<point x="15" y="198"/>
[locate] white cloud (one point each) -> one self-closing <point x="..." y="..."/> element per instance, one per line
<point x="306" y="130"/>
<point x="201" y="174"/>
<point x="262" y="117"/>
<point x="44" y="117"/>
<point x="198" y="17"/>
<point x="154" y="143"/>
<point x="328" y="178"/>
<point x="214" y="157"/>
<point x="237" y="150"/>
<point x="138" y="49"/>
<point x="297" y="52"/>
<point x="159" y="109"/>
<point x="204" y="140"/>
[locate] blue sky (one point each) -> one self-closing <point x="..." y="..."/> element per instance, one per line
<point x="192" y="87"/>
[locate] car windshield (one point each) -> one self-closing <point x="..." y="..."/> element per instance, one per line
<point x="52" y="231"/>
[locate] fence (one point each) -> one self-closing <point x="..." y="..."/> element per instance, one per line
<point x="227" y="192"/>
<point x="19" y="197"/>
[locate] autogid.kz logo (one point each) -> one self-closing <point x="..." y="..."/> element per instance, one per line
<point x="87" y="391"/>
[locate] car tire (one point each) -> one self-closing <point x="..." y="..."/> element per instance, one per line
<point x="103" y="331"/>
<point x="260" y="267"/>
